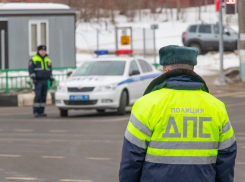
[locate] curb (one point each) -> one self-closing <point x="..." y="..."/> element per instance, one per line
<point x="22" y="100"/>
<point x="8" y="100"/>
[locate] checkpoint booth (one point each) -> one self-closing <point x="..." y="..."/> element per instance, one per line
<point x="24" y="26"/>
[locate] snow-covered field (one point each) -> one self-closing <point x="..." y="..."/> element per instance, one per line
<point x="169" y="33"/>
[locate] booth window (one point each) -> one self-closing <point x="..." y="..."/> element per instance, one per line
<point x="38" y="35"/>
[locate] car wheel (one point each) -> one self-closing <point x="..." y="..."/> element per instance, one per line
<point x="100" y="110"/>
<point x="123" y="103"/>
<point x="63" y="113"/>
<point x="196" y="45"/>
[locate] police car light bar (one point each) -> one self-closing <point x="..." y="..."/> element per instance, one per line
<point x="104" y="52"/>
<point x="101" y="52"/>
<point x="125" y="51"/>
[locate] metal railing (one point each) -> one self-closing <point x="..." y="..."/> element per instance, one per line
<point x="18" y="79"/>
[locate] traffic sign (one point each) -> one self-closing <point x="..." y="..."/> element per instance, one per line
<point x="230" y="2"/>
<point x="230" y="6"/>
<point x="154" y="26"/>
<point x="125" y="40"/>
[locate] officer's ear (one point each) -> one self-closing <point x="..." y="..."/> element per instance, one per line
<point x="166" y="70"/>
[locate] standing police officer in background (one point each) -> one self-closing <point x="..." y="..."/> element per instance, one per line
<point x="40" y="70"/>
<point x="177" y="131"/>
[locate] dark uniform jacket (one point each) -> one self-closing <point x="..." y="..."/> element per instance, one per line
<point x="40" y="68"/>
<point x="134" y="167"/>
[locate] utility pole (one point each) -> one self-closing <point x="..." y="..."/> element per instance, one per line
<point x="241" y="45"/>
<point x="221" y="45"/>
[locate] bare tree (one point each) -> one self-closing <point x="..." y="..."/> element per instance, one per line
<point x="178" y="9"/>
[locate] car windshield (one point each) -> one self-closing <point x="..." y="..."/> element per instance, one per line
<point x="101" y="68"/>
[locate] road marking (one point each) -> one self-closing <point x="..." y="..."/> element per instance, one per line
<point x="95" y="158"/>
<point x="240" y="133"/>
<point x="52" y="157"/>
<point x="228" y="94"/>
<point x="23" y="130"/>
<point x="239" y="96"/>
<point x="7" y="155"/>
<point x="58" y="131"/>
<point x="238" y="104"/>
<point x="75" y="180"/>
<point x="19" y="178"/>
<point x="240" y="163"/>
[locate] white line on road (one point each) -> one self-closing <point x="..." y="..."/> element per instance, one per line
<point x="240" y="163"/>
<point x="240" y="133"/>
<point x="58" y="131"/>
<point x="23" y="130"/>
<point x="75" y="180"/>
<point x="52" y="157"/>
<point x="239" y="96"/>
<point x="95" y="158"/>
<point x="228" y="94"/>
<point x="19" y="178"/>
<point x="7" y="155"/>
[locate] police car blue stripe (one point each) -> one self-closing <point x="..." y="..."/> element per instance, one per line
<point x="136" y="79"/>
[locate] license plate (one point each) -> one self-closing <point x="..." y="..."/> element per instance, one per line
<point x="79" y="97"/>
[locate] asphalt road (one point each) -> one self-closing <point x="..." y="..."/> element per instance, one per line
<point x="85" y="147"/>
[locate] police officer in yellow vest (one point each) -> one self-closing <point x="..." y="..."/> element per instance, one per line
<point x="40" y="70"/>
<point x="177" y="131"/>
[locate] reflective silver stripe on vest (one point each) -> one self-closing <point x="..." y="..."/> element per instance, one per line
<point x="33" y="75"/>
<point x="226" y="127"/>
<point x="227" y="143"/>
<point x="38" y="69"/>
<point x="180" y="160"/>
<point x="140" y="126"/>
<point x="183" y="145"/>
<point x="134" y="140"/>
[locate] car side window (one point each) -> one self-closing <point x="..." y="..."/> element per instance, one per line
<point x="133" y="67"/>
<point x="216" y="29"/>
<point x="205" y="29"/>
<point x="193" y="29"/>
<point x="145" y="66"/>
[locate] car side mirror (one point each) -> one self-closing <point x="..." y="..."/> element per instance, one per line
<point x="69" y="73"/>
<point x="228" y="33"/>
<point x="134" y="72"/>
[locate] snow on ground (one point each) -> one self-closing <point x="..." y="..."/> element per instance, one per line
<point x="208" y="64"/>
<point x="169" y="33"/>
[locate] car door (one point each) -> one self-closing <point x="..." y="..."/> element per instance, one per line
<point x="147" y="74"/>
<point x="229" y="40"/>
<point x="135" y="84"/>
<point x="206" y="37"/>
<point x="216" y="36"/>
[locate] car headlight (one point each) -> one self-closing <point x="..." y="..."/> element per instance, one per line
<point x="107" y="87"/>
<point x="61" y="88"/>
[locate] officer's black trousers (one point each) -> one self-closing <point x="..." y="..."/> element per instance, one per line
<point x="41" y="88"/>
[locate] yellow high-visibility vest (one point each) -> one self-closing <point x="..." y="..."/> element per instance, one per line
<point x="180" y="127"/>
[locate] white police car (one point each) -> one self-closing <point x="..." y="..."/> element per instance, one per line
<point x="105" y="83"/>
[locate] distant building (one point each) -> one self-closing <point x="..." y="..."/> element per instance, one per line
<point x="24" y="26"/>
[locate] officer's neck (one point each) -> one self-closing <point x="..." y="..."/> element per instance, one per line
<point x="41" y="56"/>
